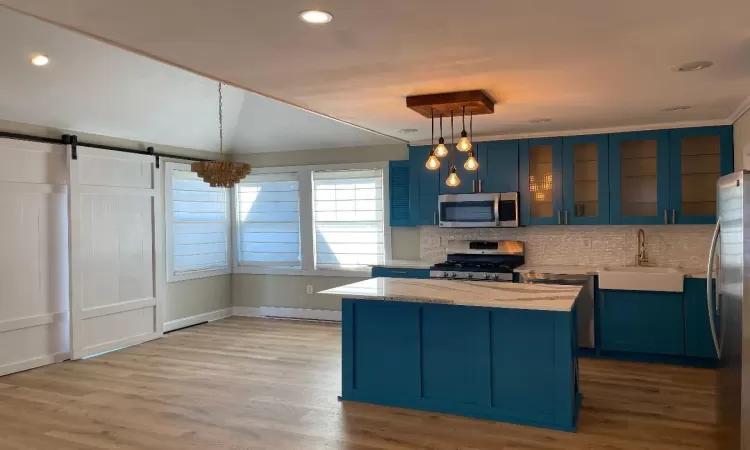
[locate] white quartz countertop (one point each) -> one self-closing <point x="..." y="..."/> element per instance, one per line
<point x="405" y="264"/>
<point x="690" y="272"/>
<point x="544" y="297"/>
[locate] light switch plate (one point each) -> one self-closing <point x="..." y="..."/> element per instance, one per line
<point x="586" y="243"/>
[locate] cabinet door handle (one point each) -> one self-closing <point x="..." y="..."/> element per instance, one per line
<point x="566" y="218"/>
<point x="559" y="217"/>
<point x="673" y="217"/>
<point x="473" y="186"/>
<point x="666" y="221"/>
<point x="480" y="185"/>
<point x="434" y="218"/>
<point x="399" y="271"/>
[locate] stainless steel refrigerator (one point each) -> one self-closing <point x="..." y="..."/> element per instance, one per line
<point x="729" y="308"/>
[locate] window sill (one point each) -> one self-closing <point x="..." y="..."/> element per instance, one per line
<point x="361" y="273"/>
<point x="172" y="278"/>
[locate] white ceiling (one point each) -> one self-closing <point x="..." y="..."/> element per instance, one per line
<point x="586" y="64"/>
<point x="96" y="88"/>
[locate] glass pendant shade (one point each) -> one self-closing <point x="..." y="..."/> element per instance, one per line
<point x="432" y="162"/>
<point x="471" y="163"/>
<point x="441" y="151"/>
<point x="453" y="180"/>
<point x="463" y="144"/>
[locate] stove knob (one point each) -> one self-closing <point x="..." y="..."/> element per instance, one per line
<point x="445" y="274"/>
<point x="487" y="276"/>
<point x="496" y="277"/>
<point x="470" y="276"/>
<point x="453" y="275"/>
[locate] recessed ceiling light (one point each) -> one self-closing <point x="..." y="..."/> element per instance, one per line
<point x="544" y="120"/>
<point x="316" y="17"/>
<point x="39" y="59"/>
<point x="408" y="130"/>
<point x="693" y="66"/>
<point x="676" y="108"/>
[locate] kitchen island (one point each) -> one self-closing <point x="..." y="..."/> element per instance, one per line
<point x="498" y="351"/>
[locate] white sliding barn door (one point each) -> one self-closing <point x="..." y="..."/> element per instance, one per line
<point x="117" y="270"/>
<point x="34" y="303"/>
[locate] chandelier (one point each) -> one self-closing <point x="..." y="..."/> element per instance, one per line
<point x="221" y="173"/>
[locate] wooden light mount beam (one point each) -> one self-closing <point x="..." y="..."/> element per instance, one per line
<point x="476" y="103"/>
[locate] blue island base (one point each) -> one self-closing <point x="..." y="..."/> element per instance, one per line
<point x="510" y="365"/>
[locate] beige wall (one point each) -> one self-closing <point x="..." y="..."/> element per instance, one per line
<point x="290" y="290"/>
<point x="184" y="298"/>
<point x="742" y="141"/>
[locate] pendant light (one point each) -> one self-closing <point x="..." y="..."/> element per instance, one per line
<point x="471" y="162"/>
<point x="432" y="162"/>
<point x="221" y="173"/>
<point x="441" y="151"/>
<point x="453" y="180"/>
<point x="464" y="144"/>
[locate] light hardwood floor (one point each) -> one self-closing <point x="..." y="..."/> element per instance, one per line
<point x="252" y="383"/>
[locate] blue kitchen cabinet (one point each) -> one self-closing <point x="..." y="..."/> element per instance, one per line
<point x="586" y="180"/>
<point x="498" y="166"/>
<point x="397" y="272"/>
<point x="698" y="340"/>
<point x="540" y="181"/>
<point x="639" y="177"/>
<point x="642" y="322"/>
<point x="399" y="186"/>
<point x="424" y="187"/>
<point x="697" y="157"/>
<point x="468" y="178"/>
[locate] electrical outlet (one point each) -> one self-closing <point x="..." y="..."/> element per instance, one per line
<point x="586" y="243"/>
<point x="309" y="289"/>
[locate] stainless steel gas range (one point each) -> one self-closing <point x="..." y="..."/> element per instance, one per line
<point x="480" y="260"/>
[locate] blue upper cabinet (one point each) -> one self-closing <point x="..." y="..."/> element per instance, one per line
<point x="468" y="178"/>
<point x="697" y="157"/>
<point x="639" y="177"/>
<point x="586" y="180"/>
<point x="423" y="184"/>
<point x="498" y="166"/>
<point x="399" y="185"/>
<point x="540" y="181"/>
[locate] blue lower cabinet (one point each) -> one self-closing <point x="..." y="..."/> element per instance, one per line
<point x="642" y="322"/>
<point x="698" y="340"/>
<point x="490" y="363"/>
<point x="456" y="364"/>
<point x="392" y="272"/>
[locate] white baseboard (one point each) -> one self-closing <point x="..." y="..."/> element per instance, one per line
<point x="300" y="313"/>
<point x="246" y="311"/>
<point x="33" y="363"/>
<point x="205" y="317"/>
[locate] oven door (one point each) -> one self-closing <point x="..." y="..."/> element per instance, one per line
<point x="469" y="210"/>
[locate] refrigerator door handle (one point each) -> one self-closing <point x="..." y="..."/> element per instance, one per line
<point x="709" y="294"/>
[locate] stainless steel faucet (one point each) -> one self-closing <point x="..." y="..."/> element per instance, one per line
<point x="640" y="257"/>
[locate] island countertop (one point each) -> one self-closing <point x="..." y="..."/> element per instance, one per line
<point x="544" y="297"/>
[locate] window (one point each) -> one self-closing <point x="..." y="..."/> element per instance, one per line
<point x="348" y="217"/>
<point x="198" y="226"/>
<point x="269" y="221"/>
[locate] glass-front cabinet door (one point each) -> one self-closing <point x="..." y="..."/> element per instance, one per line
<point x="540" y="163"/>
<point x="639" y="177"/>
<point x="698" y="157"/>
<point x="586" y="180"/>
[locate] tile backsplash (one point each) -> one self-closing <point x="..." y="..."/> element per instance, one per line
<point x="671" y="245"/>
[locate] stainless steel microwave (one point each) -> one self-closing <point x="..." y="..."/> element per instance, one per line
<point x="478" y="210"/>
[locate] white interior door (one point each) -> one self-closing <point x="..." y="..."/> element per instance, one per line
<point x="117" y="270"/>
<point x="34" y="307"/>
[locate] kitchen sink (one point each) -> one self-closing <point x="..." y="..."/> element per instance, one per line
<point x="631" y="278"/>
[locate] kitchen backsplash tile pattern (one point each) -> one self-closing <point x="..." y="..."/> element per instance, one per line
<point x="671" y="245"/>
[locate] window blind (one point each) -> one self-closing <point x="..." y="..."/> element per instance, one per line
<point x="268" y="210"/>
<point x="200" y="224"/>
<point x="348" y="218"/>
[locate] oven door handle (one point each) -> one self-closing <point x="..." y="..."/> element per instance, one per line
<point x="497" y="210"/>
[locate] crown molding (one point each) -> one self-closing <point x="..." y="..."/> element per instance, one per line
<point x="742" y="109"/>
<point x="588" y="131"/>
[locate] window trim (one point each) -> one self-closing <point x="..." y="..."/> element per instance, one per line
<point x="307" y="224"/>
<point x="172" y="277"/>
